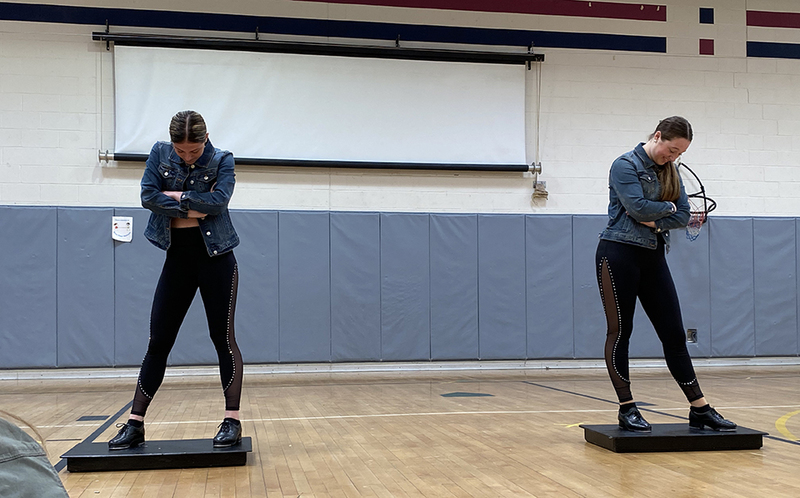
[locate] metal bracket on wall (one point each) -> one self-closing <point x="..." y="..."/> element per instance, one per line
<point x="530" y="51"/>
<point x="539" y="188"/>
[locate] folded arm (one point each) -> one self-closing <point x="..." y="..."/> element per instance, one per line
<point x="628" y="187"/>
<point x="215" y="201"/>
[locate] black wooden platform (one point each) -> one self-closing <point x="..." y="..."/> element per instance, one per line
<point x="671" y="437"/>
<point x="177" y="454"/>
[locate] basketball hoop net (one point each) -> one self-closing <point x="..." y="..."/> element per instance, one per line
<point x="696" y="220"/>
<point x="700" y="204"/>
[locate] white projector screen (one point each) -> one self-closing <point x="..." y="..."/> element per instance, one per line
<point x="307" y="107"/>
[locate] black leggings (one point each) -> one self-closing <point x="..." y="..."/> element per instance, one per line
<point x="625" y="272"/>
<point x="187" y="268"/>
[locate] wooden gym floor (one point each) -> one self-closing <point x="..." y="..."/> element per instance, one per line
<point x="432" y="434"/>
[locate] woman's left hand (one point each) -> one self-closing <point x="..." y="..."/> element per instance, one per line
<point x="173" y="194"/>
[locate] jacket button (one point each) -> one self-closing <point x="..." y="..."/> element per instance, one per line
<point x="208" y="233"/>
<point x="205" y="178"/>
<point x="191" y="181"/>
<point x="215" y="252"/>
<point x="166" y="173"/>
<point x="192" y="166"/>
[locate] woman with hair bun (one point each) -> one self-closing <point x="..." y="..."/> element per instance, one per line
<point x="187" y="185"/>
<point x="646" y="200"/>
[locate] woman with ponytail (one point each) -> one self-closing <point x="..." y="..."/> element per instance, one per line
<point x="646" y="200"/>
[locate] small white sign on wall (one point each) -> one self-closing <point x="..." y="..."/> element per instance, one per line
<point x="122" y="228"/>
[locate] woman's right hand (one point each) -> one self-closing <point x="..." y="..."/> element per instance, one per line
<point x="175" y="194"/>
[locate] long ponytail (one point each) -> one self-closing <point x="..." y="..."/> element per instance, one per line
<point x="670" y="182"/>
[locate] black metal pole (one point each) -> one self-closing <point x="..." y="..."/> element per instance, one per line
<point x="377" y="52"/>
<point x="314" y="163"/>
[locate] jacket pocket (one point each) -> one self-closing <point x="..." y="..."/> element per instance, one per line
<point x="169" y="176"/>
<point x="649" y="183"/>
<point x="203" y="181"/>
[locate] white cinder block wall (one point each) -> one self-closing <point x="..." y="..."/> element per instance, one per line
<point x="56" y="112"/>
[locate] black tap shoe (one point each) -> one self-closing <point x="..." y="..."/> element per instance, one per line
<point x="127" y="437"/>
<point x="633" y="421"/>
<point x="230" y="434"/>
<point x="710" y="419"/>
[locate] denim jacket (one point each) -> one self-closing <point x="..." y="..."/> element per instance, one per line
<point x="633" y="197"/>
<point x="207" y="187"/>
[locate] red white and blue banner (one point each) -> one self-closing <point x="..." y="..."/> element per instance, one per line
<point x="577" y="24"/>
<point x="772" y="26"/>
<point x="774" y="33"/>
<point x="569" y="8"/>
<point x="544" y="23"/>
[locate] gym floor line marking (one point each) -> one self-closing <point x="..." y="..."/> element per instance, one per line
<point x="568" y="392"/>
<point x="62" y="463"/>
<point x="337" y="417"/>
<point x="660" y="411"/>
<point x="414" y="414"/>
<point x="780" y="424"/>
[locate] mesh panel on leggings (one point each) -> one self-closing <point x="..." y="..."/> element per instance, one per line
<point x="613" y="320"/>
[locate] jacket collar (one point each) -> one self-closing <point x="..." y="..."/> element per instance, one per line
<point x="646" y="161"/>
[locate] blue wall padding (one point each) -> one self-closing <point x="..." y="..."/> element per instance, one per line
<point x="589" y="319"/>
<point x="256" y="330"/>
<point x="361" y="286"/>
<point x="304" y="283"/>
<point x="137" y="265"/>
<point x="405" y="287"/>
<point x="689" y="264"/>
<point x="501" y="286"/>
<point x="85" y="287"/>
<point x="28" y="287"/>
<point x="549" y="286"/>
<point x="355" y="286"/>
<point x="775" y="286"/>
<point x="797" y="274"/>
<point x="257" y="259"/>
<point x="454" y="286"/>
<point x="732" y="309"/>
